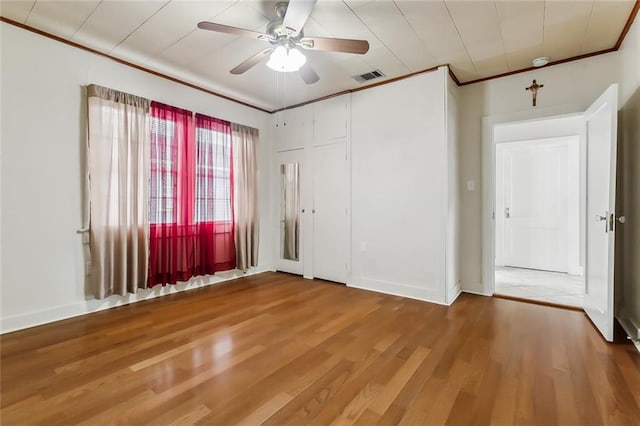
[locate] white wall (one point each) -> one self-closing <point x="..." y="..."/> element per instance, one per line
<point x="569" y="88"/>
<point x="399" y="195"/>
<point x="402" y="189"/>
<point x="43" y="137"/>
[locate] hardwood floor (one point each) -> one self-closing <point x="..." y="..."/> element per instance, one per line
<point x="277" y="349"/>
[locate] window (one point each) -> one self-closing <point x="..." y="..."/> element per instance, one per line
<point x="172" y="182"/>
<point x="190" y="193"/>
<point x="164" y="172"/>
<point x="176" y="168"/>
<point x="213" y="170"/>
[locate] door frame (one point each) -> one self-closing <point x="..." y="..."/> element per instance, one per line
<point x="487" y="286"/>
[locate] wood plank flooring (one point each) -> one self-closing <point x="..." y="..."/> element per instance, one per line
<point x="276" y="349"/>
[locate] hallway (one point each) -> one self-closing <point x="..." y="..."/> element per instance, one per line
<point x="542" y="286"/>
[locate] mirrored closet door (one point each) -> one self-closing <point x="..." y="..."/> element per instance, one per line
<point x="290" y="211"/>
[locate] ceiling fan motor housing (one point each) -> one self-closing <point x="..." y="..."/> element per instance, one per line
<point x="280" y="34"/>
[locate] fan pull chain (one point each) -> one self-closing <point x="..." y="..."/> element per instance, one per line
<point x="277" y="98"/>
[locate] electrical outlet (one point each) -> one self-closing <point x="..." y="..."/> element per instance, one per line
<point x="87" y="268"/>
<point x="363" y="246"/>
<point x="471" y="185"/>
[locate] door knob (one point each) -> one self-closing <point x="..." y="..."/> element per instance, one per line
<point x="621" y="219"/>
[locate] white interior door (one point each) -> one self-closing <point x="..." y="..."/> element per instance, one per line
<point x="601" y="122"/>
<point x="535" y="205"/>
<point x="290" y="212"/>
<point x="330" y="199"/>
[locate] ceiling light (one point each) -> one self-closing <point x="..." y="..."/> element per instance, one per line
<point x="540" y="62"/>
<point x="285" y="59"/>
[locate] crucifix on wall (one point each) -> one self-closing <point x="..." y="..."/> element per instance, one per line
<point x="534" y="90"/>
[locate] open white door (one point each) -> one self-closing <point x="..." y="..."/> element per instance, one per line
<point x="601" y="123"/>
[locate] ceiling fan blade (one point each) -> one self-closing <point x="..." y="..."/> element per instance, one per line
<point x="308" y="74"/>
<point x="335" y="44"/>
<point x="298" y="12"/>
<point x="251" y="62"/>
<point x="212" y="26"/>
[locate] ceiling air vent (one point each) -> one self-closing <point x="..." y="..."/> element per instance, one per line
<point x="368" y="76"/>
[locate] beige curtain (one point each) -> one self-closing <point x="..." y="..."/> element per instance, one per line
<point x="118" y="167"/>
<point x="245" y="186"/>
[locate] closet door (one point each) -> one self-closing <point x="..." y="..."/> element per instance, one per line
<point x="290" y="210"/>
<point x="330" y="212"/>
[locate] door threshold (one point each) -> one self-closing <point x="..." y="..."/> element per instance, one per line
<point x="539" y="302"/>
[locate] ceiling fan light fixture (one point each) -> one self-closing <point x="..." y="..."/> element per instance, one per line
<point x="285" y="59"/>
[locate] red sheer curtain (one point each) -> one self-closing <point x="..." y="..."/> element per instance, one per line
<point x="214" y="195"/>
<point x="183" y="242"/>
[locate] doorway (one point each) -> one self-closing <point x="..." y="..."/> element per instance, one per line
<point x="597" y="131"/>
<point x="539" y="196"/>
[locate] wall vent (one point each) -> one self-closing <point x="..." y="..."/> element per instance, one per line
<point x="368" y="76"/>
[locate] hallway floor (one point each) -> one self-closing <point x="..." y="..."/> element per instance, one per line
<point x="543" y="286"/>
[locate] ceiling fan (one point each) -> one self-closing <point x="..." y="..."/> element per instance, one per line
<point x="285" y="33"/>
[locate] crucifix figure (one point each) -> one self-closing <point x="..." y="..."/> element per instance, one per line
<point x="534" y="90"/>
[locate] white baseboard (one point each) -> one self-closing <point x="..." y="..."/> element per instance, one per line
<point x="31" y="319"/>
<point x="398" y="289"/>
<point x="456" y="292"/>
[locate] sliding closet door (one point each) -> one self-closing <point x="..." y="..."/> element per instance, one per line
<point x="330" y="212"/>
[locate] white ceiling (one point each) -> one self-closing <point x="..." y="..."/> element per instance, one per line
<point x="477" y="38"/>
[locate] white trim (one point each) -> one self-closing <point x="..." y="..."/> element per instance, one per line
<point x="57" y="313"/>
<point x="397" y="289"/>
<point x="488" y="178"/>
<point x="455" y="296"/>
